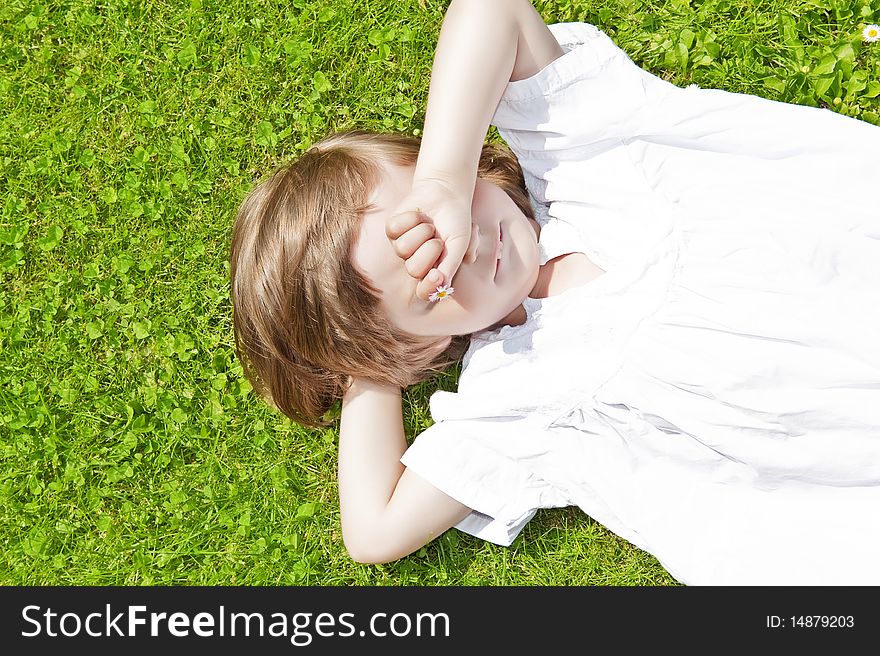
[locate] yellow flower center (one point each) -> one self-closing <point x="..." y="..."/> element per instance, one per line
<point x="873" y="33"/>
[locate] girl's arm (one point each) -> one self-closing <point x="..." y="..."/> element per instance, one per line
<point x="387" y="511"/>
<point x="483" y="45"/>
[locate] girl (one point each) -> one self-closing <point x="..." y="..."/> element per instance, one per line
<point x="675" y="329"/>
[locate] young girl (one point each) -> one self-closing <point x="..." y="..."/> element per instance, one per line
<point x="676" y="328"/>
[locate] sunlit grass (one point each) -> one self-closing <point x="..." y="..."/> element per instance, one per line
<point x="131" y="450"/>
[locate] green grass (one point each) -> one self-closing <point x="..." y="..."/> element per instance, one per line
<point x="131" y="450"/>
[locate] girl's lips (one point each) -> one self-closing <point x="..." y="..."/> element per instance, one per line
<point x="499" y="245"/>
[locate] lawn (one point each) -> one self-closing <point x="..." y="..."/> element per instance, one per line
<point x="132" y="451"/>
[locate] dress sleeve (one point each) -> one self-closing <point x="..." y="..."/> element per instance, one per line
<point x="571" y="126"/>
<point x="483" y="464"/>
<point x="591" y="95"/>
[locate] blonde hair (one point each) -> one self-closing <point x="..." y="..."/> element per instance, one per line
<point x="304" y="318"/>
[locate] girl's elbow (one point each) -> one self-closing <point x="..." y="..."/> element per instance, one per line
<point x="367" y="557"/>
<point x="369" y="549"/>
<point x="369" y="554"/>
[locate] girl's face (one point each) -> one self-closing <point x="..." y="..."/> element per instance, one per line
<point x="482" y="295"/>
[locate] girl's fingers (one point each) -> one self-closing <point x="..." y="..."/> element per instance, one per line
<point x="455" y="247"/>
<point x="419" y="263"/>
<point x="429" y="284"/>
<point x="400" y="223"/>
<point x="410" y="241"/>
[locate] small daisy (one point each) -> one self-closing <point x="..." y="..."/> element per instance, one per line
<point x="692" y="86"/>
<point x="442" y="292"/>
<point x="871" y="33"/>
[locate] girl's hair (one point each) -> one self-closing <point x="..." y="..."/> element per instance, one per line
<point x="304" y="318"/>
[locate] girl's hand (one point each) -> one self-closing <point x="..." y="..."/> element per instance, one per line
<point x="430" y="230"/>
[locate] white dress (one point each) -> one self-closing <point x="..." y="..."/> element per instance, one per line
<point x="714" y="397"/>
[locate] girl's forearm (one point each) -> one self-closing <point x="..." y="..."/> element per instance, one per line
<point x="371" y="441"/>
<point x="473" y="63"/>
<point x="387" y="511"/>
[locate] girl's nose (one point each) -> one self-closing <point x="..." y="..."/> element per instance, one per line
<point x="473" y="248"/>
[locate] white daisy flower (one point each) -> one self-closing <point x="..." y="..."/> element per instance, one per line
<point x="442" y="292"/>
<point x="871" y="33"/>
